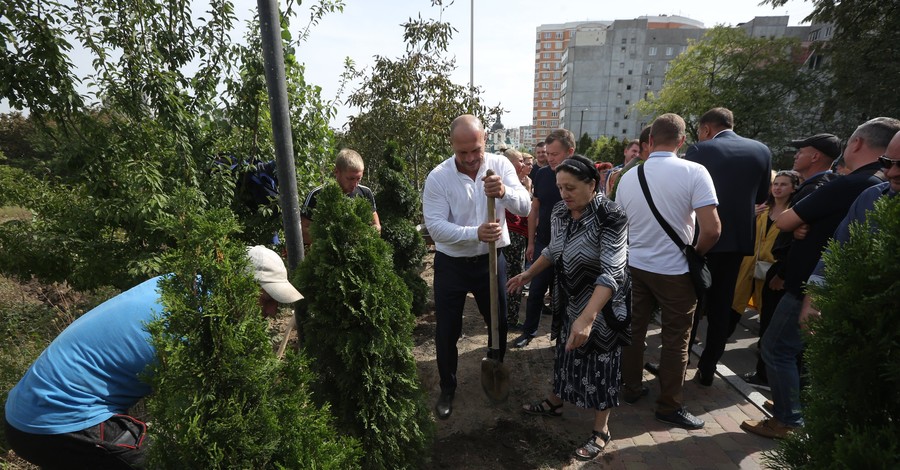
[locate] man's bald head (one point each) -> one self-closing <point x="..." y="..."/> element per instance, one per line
<point x="466" y="122"/>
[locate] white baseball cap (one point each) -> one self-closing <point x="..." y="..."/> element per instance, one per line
<point x="269" y="271"/>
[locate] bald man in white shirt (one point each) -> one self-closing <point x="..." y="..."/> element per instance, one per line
<point x="455" y="209"/>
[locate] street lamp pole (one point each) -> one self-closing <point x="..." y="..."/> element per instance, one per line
<point x="472" y="49"/>
<point x="581" y="123"/>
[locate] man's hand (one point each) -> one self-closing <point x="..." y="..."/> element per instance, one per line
<point x="514" y="284"/>
<point x="493" y="186"/>
<point x="760" y="208"/>
<point x="529" y="252"/>
<point x="801" y="231"/>
<point x="490" y="231"/>
<point x="808" y="312"/>
<point x="777" y="283"/>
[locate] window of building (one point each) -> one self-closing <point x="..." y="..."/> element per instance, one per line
<point x="627" y="87"/>
<point x="543" y="123"/>
<point x="634" y="40"/>
<point x="649" y="68"/>
<point x="668" y="51"/>
<point x="556" y="86"/>
<point x="623" y="48"/>
<point x="554" y="103"/>
<point x="627" y="102"/>
<point x="629" y="72"/>
<point x="546" y="55"/>
<point x="621" y="65"/>
<point x="559" y="35"/>
<point x="543" y="114"/>
<point x="557" y="55"/>
<point x="554" y="114"/>
<point x="545" y="95"/>
<point x="624" y="40"/>
<point x="546" y="35"/>
<point x="624" y="131"/>
<point x="557" y="66"/>
<point x="545" y="85"/>
<point x="557" y="75"/>
<point x="616" y="124"/>
<point x="620" y="79"/>
<point x="618" y="110"/>
<point x="649" y="82"/>
<point x="545" y="75"/>
<point x="545" y="66"/>
<point x="555" y="94"/>
<point x="651" y="51"/>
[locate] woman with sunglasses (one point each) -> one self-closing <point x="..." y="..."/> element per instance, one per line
<point x="588" y="252"/>
<point x="752" y="282"/>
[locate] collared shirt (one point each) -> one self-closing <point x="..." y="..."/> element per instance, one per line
<point x="857" y="213"/>
<point x="454" y="205"/>
<point x="678" y="188"/>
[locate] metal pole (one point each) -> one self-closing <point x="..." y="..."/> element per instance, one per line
<point x="270" y="29"/>
<point x="581" y="124"/>
<point x="472" y="49"/>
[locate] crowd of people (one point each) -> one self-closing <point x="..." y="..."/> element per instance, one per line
<point x="613" y="246"/>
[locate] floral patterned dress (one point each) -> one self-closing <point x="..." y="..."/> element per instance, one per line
<point x="586" y="252"/>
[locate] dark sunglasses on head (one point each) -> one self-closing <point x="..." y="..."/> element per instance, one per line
<point x="887" y="163"/>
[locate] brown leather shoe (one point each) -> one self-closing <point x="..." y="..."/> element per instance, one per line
<point x="769" y="406"/>
<point x="770" y="427"/>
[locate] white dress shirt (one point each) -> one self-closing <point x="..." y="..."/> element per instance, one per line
<point x="454" y="205"/>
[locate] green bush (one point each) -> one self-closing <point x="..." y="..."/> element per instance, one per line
<point x="221" y="397"/>
<point x="398" y="206"/>
<point x="852" y="404"/>
<point x="358" y="333"/>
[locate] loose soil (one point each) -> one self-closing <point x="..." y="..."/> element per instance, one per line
<point x="481" y="435"/>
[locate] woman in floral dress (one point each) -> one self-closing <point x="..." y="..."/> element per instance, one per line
<point x="588" y="252"/>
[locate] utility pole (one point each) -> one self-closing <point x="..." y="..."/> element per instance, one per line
<point x="273" y="55"/>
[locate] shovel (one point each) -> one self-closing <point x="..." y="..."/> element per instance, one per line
<point x="494" y="374"/>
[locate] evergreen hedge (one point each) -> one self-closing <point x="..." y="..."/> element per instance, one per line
<point x="398" y="206"/>
<point x="358" y="334"/>
<point x="221" y="397"/>
<point x="852" y="404"/>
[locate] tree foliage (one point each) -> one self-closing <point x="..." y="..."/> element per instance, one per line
<point x="358" y="333"/>
<point x="860" y="54"/>
<point x="222" y="399"/>
<point x="761" y="80"/>
<point x="171" y="93"/>
<point x="398" y="205"/>
<point x="584" y="144"/>
<point x="411" y="100"/>
<point x="607" y="149"/>
<point x="852" y="404"/>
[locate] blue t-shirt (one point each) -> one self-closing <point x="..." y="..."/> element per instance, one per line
<point x="546" y="192"/>
<point x="91" y="371"/>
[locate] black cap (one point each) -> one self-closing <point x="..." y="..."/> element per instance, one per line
<point x="828" y="144"/>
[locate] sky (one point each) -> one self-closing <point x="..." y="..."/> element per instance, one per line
<point x="504" y="37"/>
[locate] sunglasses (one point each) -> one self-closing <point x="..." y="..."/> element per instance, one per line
<point x="887" y="163"/>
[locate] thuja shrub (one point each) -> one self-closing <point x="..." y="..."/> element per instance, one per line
<point x="852" y="404"/>
<point x="221" y="397"/>
<point x="358" y="335"/>
<point x="398" y="206"/>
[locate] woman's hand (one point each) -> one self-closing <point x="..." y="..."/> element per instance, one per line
<point x="514" y="284"/>
<point x="580" y="331"/>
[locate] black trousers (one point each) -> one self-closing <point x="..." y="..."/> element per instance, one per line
<point x="454" y="278"/>
<point x="117" y="443"/>
<point x="724" y="268"/>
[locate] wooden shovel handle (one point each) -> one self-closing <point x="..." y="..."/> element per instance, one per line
<point x="492" y="270"/>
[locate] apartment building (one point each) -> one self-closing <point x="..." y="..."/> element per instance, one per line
<point x="606" y="69"/>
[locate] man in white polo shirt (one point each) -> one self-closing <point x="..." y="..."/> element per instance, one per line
<point x="681" y="191"/>
<point x="455" y="207"/>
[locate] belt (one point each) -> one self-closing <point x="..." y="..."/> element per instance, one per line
<point x="477" y="259"/>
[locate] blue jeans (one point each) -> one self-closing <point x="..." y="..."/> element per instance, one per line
<point x="534" y="304"/>
<point x="781" y="344"/>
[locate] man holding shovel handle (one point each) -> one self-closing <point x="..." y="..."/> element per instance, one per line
<point x="455" y="206"/>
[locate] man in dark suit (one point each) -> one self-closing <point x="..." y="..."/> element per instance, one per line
<point x="740" y="169"/>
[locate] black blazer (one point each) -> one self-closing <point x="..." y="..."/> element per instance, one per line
<point x="740" y="170"/>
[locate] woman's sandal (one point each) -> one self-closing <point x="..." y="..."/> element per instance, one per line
<point x="540" y="409"/>
<point x="590" y="450"/>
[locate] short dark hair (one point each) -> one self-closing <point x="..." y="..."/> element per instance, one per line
<point x="540" y="144"/>
<point x="645" y="135"/>
<point x="719" y="117"/>
<point x="667" y="129"/>
<point x="563" y="136"/>
<point x="581" y="168"/>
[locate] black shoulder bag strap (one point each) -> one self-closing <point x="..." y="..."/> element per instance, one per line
<point x="662" y="222"/>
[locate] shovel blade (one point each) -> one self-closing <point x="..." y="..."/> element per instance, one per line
<point x="495" y="380"/>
